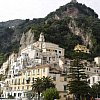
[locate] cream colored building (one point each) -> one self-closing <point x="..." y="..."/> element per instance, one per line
<point x="18" y="85"/>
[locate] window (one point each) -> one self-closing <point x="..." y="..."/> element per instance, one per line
<point x="65" y="79"/>
<point x="27" y="87"/>
<point x="7" y="82"/>
<point x="38" y="71"/>
<point x="14" y="88"/>
<point x="56" y="51"/>
<point x="59" y="51"/>
<point x="23" y="81"/>
<point x="15" y="83"/>
<point x="93" y="79"/>
<point x="28" y="81"/>
<point x="14" y="94"/>
<point x="19" y="82"/>
<point x="33" y="79"/>
<point x="37" y="54"/>
<point x="12" y="81"/>
<point x="28" y="73"/>
<point x="22" y="87"/>
<point x="49" y="58"/>
<point x="44" y="70"/>
<point x="65" y="87"/>
<point x="44" y="58"/>
<point x="33" y="72"/>
<point x="64" y="96"/>
<point x="89" y="81"/>
<point x="87" y="68"/>
<point x="54" y="78"/>
<point x="19" y="94"/>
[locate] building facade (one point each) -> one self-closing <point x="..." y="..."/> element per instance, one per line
<point x="18" y="85"/>
<point x="35" y="59"/>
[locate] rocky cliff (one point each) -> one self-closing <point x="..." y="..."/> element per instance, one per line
<point x="71" y="24"/>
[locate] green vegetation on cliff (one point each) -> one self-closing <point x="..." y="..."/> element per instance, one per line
<point x="56" y="29"/>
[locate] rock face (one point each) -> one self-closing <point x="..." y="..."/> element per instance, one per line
<point x="86" y="36"/>
<point x="75" y="10"/>
<point x="27" y="39"/>
<point x="14" y="34"/>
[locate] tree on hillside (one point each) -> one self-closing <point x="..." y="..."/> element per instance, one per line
<point x="78" y="84"/>
<point x="51" y="94"/>
<point x="95" y="90"/>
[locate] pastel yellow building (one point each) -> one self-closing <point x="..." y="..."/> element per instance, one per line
<point x="81" y="48"/>
<point x="18" y="85"/>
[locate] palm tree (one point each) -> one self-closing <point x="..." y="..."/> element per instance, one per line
<point x="41" y="84"/>
<point x="47" y="83"/>
<point x="37" y="86"/>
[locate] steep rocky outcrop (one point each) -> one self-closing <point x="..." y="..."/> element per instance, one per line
<point x="71" y="24"/>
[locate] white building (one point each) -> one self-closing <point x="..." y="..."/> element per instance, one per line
<point x="38" y="53"/>
<point x="93" y="79"/>
<point x="97" y="60"/>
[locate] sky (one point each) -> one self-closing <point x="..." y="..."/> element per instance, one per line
<point x="29" y="9"/>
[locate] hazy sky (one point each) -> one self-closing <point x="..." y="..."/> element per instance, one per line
<point x="24" y="9"/>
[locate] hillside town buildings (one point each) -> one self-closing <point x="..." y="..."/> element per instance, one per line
<point x="40" y="59"/>
<point x="35" y="59"/>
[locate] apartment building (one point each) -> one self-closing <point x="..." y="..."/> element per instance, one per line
<point x="20" y="84"/>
